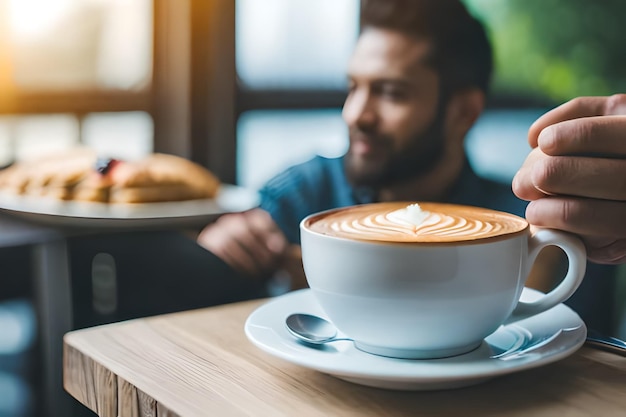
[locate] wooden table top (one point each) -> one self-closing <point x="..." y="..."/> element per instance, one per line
<point x="200" y="363"/>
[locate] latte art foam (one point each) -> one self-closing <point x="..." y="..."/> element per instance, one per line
<point x="438" y="223"/>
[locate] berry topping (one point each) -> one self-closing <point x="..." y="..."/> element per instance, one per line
<point x="105" y="165"/>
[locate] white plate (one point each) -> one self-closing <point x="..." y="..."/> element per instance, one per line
<point x="98" y="215"/>
<point x="266" y="328"/>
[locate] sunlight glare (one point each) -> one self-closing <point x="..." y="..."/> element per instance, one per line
<point x="35" y="18"/>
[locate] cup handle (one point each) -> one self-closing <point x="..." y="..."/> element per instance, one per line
<point x="577" y="258"/>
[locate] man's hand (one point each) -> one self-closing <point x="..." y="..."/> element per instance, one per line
<point x="249" y="242"/>
<point x="575" y="177"/>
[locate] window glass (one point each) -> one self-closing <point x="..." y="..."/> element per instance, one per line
<point x="123" y="135"/>
<point x="270" y="141"/>
<point x="86" y="44"/>
<point x="127" y="135"/>
<point x="556" y="49"/>
<point x="34" y="136"/>
<point x="295" y="43"/>
<point x="6" y="144"/>
<point x="497" y="145"/>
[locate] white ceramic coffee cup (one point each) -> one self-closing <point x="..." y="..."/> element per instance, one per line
<point x="430" y="300"/>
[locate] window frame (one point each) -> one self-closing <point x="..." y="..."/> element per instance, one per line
<point x="194" y="97"/>
<point x="165" y="98"/>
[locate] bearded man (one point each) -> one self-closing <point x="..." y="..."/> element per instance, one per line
<point x="418" y="80"/>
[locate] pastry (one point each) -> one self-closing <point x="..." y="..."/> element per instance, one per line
<point x="161" y="177"/>
<point x="81" y="176"/>
<point x="53" y="175"/>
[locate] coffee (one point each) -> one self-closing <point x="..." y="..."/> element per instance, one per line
<point x="407" y="222"/>
<point x="435" y="298"/>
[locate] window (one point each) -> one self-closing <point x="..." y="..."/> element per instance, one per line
<point x="62" y="63"/>
<point x="104" y="73"/>
<point x="220" y="80"/>
<point x="554" y="50"/>
<point x="294" y="44"/>
<point x="291" y="58"/>
<point x="271" y="140"/>
<point x="86" y="45"/>
<point x="539" y="64"/>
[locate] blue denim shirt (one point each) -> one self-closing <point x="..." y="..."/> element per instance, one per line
<point x="321" y="184"/>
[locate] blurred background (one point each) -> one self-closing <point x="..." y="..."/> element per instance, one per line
<point x="248" y="87"/>
<point x="222" y="82"/>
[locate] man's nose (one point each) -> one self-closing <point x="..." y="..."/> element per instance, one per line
<point x="360" y="110"/>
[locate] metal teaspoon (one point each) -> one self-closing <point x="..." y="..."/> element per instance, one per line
<point x="315" y="330"/>
<point x="312" y="329"/>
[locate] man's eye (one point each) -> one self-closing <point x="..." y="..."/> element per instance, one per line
<point x="388" y="92"/>
<point x="393" y="93"/>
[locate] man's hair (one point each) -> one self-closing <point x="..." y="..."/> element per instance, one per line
<point x="460" y="51"/>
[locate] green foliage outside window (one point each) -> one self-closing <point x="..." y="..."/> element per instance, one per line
<point x="556" y="49"/>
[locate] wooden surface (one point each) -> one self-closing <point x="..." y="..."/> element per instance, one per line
<point x="200" y="363"/>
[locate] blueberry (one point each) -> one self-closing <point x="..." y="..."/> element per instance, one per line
<point x="104" y="165"/>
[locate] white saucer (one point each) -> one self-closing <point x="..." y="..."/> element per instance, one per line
<point x="266" y="328"/>
<point x="82" y="214"/>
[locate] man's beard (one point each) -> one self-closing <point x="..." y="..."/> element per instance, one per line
<point x="417" y="158"/>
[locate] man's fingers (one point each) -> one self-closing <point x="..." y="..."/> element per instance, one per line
<point x="523" y="185"/>
<point x="222" y="239"/>
<point x="586" y="217"/>
<point x="264" y="228"/>
<point x="593" y="136"/>
<point x="599" y="223"/>
<point x="250" y="242"/>
<point x="579" y="176"/>
<point x="580" y="107"/>
<point x="606" y="251"/>
<point x="542" y="175"/>
<point x="267" y="243"/>
<point x="576" y="174"/>
<point x="240" y="258"/>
